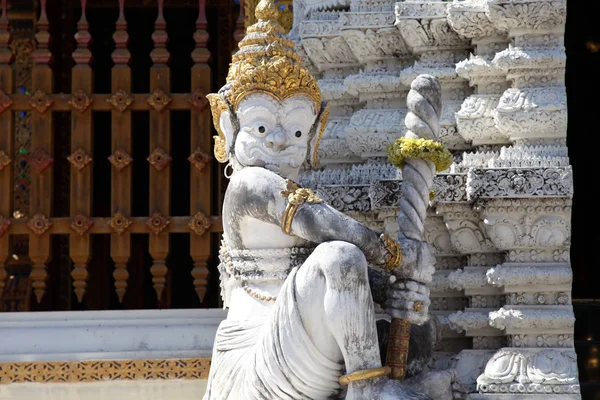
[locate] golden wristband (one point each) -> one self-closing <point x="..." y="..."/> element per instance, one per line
<point x="394" y="252"/>
<point x="364" y="374"/>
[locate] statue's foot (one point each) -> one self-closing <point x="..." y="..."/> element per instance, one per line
<point x="438" y="385"/>
<point x="382" y="389"/>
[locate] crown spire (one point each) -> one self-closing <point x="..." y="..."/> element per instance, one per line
<point x="266" y="10"/>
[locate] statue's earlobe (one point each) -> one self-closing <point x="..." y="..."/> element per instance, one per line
<point x="227" y="129"/>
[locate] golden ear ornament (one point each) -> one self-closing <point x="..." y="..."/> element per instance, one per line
<point x="324" y="117"/>
<point x="217" y="106"/>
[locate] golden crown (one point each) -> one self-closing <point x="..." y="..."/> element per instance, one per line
<point x="266" y="62"/>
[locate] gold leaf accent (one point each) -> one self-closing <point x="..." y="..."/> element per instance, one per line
<point x="120" y="159"/>
<point x="79" y="159"/>
<point x="95" y="371"/>
<point x="4" y="160"/>
<point x="39" y="224"/>
<point x="157" y="223"/>
<point x="198" y="99"/>
<point x="5" y="101"/>
<point x="199" y="158"/>
<point x="40" y="160"/>
<point x="199" y="223"/>
<point x="119" y="223"/>
<point x="159" y="100"/>
<point x="121" y="100"/>
<point x="80" y="100"/>
<point x="40" y="101"/>
<point x="159" y="159"/>
<point x="81" y="223"/>
<point x="4" y="225"/>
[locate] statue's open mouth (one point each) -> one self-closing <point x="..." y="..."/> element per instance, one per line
<point x="263" y="157"/>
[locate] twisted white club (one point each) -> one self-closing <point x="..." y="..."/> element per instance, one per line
<point x="424" y="102"/>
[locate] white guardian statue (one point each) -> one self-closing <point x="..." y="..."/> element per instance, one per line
<point x="294" y="271"/>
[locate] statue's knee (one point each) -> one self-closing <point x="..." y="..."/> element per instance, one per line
<point x="343" y="258"/>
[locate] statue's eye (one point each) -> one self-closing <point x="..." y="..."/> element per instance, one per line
<point x="298" y="134"/>
<point x="261" y="129"/>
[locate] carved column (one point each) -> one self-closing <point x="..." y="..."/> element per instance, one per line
<point x="425" y="29"/>
<point x="475" y="119"/>
<point x="537" y="318"/>
<point x="533" y="112"/>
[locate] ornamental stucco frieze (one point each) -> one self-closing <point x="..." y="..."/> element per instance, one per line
<point x="450" y="188"/>
<point x="468" y="321"/>
<point x="535" y="15"/>
<point x="349" y="20"/>
<point x="437" y="235"/>
<point x="308" y="6"/>
<point x="527" y="319"/>
<point x="530" y="371"/>
<point x="469" y="19"/>
<point x="521" y="182"/>
<point x="468" y="278"/>
<point x="346" y="198"/>
<point x="519" y="275"/>
<point x="541" y="298"/>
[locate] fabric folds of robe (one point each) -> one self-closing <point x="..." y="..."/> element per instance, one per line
<point x="271" y="358"/>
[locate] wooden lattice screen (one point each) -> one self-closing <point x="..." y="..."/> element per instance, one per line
<point x="82" y="102"/>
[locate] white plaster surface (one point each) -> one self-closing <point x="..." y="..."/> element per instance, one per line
<point x="108" y="335"/>
<point x="114" y="390"/>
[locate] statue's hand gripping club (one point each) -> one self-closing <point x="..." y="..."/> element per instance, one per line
<point x="419" y="155"/>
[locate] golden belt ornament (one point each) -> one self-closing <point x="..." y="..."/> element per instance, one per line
<point x="296" y="197"/>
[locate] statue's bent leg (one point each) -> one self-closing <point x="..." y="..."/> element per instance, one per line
<point x="335" y="303"/>
<point x="336" y="307"/>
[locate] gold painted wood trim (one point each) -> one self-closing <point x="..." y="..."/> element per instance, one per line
<point x="104" y="370"/>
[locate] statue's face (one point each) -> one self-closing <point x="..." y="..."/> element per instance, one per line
<point x="273" y="134"/>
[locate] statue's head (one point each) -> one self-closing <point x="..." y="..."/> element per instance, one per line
<point x="269" y="113"/>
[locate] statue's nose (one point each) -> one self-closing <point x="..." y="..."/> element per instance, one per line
<point x="275" y="140"/>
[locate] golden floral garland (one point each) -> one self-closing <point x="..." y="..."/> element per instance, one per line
<point x="425" y="149"/>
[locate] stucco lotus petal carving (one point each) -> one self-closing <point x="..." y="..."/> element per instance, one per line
<point x="39" y="224"/>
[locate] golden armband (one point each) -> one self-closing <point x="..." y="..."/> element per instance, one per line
<point x="296" y="197"/>
<point x="393" y="257"/>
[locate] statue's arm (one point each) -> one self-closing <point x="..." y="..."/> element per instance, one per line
<point x="257" y="192"/>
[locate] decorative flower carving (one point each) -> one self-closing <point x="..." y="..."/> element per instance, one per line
<point x="199" y="223"/>
<point x="543" y="341"/>
<point x="79" y="159"/>
<point x="159" y="100"/>
<point x="39" y="224"/>
<point x="5" y="101"/>
<point x="159" y="159"/>
<point x="540" y="298"/>
<point x="199" y="158"/>
<point x="121" y="100"/>
<point x="40" y="101"/>
<point x="157" y="223"/>
<point x="4" y="225"/>
<point x="119" y="223"/>
<point x="40" y="160"/>
<point x="120" y="159"/>
<point x="198" y="99"/>
<point x="4" y="160"/>
<point x="563" y="298"/>
<point x="81" y="223"/>
<point x="80" y="100"/>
